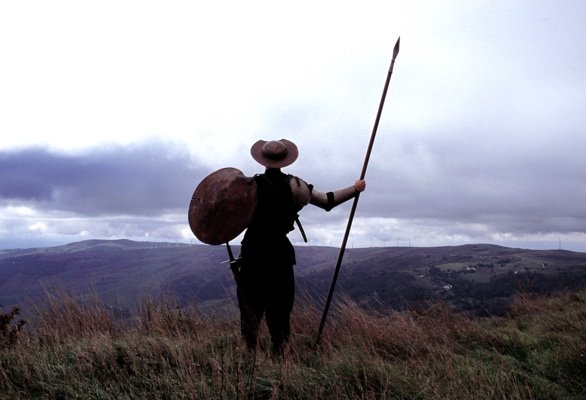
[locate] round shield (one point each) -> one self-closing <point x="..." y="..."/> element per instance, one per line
<point x="222" y="206"/>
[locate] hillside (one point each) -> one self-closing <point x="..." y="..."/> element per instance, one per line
<point x="81" y="351"/>
<point x="477" y="278"/>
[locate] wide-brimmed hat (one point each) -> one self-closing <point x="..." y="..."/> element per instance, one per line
<point x="274" y="153"/>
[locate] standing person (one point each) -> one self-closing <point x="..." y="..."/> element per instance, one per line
<point x="266" y="285"/>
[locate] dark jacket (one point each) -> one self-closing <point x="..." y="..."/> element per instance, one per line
<point x="274" y="217"/>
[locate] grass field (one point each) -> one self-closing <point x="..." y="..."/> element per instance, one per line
<point x="81" y="351"/>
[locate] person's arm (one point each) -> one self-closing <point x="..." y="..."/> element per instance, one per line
<point x="329" y="200"/>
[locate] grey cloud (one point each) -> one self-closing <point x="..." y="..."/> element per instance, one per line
<point x="515" y="187"/>
<point x="137" y="180"/>
<point x="510" y="170"/>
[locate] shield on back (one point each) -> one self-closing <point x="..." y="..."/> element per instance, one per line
<point x="222" y="206"/>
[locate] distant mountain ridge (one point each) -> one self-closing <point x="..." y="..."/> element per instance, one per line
<point x="479" y="278"/>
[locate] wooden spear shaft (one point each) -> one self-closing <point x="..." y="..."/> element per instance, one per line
<point x="355" y="203"/>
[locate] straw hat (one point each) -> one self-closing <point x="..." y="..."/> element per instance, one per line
<point x="274" y="153"/>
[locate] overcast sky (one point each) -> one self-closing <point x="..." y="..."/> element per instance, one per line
<point x="112" y="112"/>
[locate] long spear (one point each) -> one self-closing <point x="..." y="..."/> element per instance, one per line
<point x="355" y="203"/>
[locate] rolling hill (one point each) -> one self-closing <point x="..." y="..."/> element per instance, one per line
<point x="477" y="278"/>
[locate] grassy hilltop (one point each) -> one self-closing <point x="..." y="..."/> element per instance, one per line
<point x="81" y="351"/>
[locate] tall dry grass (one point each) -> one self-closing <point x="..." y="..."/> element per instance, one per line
<point x="81" y="350"/>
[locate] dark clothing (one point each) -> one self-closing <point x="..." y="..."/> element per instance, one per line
<point x="266" y="236"/>
<point x="266" y="290"/>
<point x="266" y="284"/>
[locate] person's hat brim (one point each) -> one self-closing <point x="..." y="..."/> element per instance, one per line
<point x="257" y="153"/>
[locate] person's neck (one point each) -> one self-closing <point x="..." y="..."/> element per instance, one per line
<point x="273" y="171"/>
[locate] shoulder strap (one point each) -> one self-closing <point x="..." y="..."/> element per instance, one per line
<point x="289" y="177"/>
<point x="300" y="228"/>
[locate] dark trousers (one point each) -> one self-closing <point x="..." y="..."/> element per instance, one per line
<point x="266" y="289"/>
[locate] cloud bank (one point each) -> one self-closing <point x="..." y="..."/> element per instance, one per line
<point x="105" y="133"/>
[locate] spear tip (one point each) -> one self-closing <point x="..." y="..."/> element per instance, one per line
<point x="396" y="49"/>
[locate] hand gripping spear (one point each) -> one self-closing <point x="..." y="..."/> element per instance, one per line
<point x="355" y="203"/>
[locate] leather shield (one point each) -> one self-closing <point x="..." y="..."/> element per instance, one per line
<point x="222" y="206"/>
